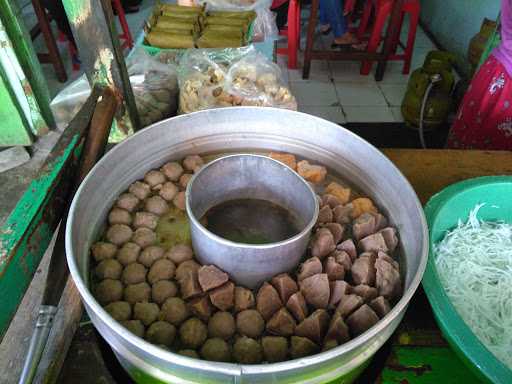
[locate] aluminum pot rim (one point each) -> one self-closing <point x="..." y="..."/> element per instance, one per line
<point x="204" y="365"/>
<point x="225" y="242"/>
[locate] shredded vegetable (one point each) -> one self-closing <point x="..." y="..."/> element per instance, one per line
<point x="474" y="263"/>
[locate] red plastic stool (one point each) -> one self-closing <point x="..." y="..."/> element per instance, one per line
<point x="292" y="32"/>
<point x="126" y="35"/>
<point x="382" y="10"/>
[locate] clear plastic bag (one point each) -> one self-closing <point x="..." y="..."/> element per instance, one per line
<point x="69" y="101"/>
<point x="231" y="77"/>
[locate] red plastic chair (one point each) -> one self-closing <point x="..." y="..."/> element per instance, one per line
<point x="126" y="35"/>
<point x="382" y="10"/>
<point x="292" y="32"/>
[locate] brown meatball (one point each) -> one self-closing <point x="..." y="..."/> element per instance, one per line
<point x="154" y="178"/>
<point x="168" y="191"/>
<point x="127" y="201"/>
<point x="172" y="170"/>
<point x="103" y="250"/>
<point x="134" y="273"/>
<point x="179" y="201"/>
<point x="140" y="190"/>
<point x="109" y="269"/>
<point x="302" y="346"/>
<point x="184" y="180"/>
<point x="156" y="205"/>
<point x="119" y="234"/>
<point x="161" y="333"/>
<point x="144" y="237"/>
<point x="244" y="299"/>
<point x="150" y="255"/>
<point x="185" y="268"/>
<point x="193" y="333"/>
<point x="222" y="325"/>
<point x="174" y="311"/>
<point x="247" y="351"/>
<point x="250" y="323"/>
<point x="162" y="290"/>
<point x="162" y="269"/>
<point x="275" y="348"/>
<point x="189" y="353"/>
<point x="109" y="291"/>
<point x="180" y="253"/>
<point x="216" y="350"/>
<point x="119" y="216"/>
<point x="128" y="253"/>
<point x="146" y="312"/>
<point x="119" y="310"/>
<point x="193" y="163"/>
<point x="145" y="219"/>
<point x="137" y="293"/>
<point x="134" y="326"/>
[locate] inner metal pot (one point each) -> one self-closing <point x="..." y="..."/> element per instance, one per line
<point x="248" y="176"/>
<point x="236" y="130"/>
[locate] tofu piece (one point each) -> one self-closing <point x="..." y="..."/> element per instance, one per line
<point x="340" y="192"/>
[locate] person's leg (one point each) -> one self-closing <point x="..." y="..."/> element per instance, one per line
<point x="332" y="11"/>
<point x="281" y="12"/>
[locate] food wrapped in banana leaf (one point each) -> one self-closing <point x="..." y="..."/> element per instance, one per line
<point x="216" y="40"/>
<point x="247" y="15"/>
<point x="217" y="20"/>
<point x="175" y="8"/>
<point x="178" y="17"/>
<point x="224" y="28"/>
<point x="170" y="40"/>
<point x="175" y="31"/>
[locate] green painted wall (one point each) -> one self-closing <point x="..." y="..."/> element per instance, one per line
<point x="454" y="22"/>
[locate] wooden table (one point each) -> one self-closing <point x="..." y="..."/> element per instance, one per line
<point x="417" y="353"/>
<point x="391" y="33"/>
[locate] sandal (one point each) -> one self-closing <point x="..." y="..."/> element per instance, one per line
<point x="326" y="31"/>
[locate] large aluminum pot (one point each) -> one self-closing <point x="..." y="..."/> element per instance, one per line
<point x="238" y="130"/>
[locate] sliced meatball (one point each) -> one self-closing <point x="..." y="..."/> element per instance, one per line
<point x="387" y="279"/>
<point x="310" y="267"/>
<point x="363" y="270"/>
<point x="211" y="277"/>
<point x="316" y="290"/>
<point x="285" y="286"/>
<point x="314" y="326"/>
<point x="348" y="304"/>
<point x="281" y="323"/>
<point x="268" y="301"/>
<point x="333" y="270"/>
<point x="339" y="289"/>
<point x="244" y="299"/>
<point x="322" y="243"/>
<point x="296" y="304"/>
<point x="361" y="320"/>
<point x="381" y="306"/>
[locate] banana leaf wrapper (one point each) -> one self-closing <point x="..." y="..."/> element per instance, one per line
<point x="172" y="23"/>
<point x="182" y="17"/>
<point x="246" y="15"/>
<point x="175" y="8"/>
<point x="218" y="41"/>
<point x="174" y="31"/>
<point x="229" y="33"/>
<point x="170" y="40"/>
<point x="214" y="20"/>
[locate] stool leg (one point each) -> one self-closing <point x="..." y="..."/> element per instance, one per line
<point x="126" y="35"/>
<point x="313" y="19"/>
<point x="293" y="35"/>
<point x="396" y="40"/>
<point x="375" y="38"/>
<point x="365" y="19"/>
<point x="411" y="38"/>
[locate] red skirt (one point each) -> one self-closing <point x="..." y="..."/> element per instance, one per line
<point x="484" y="119"/>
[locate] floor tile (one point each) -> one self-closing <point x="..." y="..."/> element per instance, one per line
<point x="314" y="93"/>
<point x="348" y="71"/>
<point x="353" y="94"/>
<point x="397" y="114"/>
<point x="334" y="114"/>
<point x="320" y="71"/>
<point x="393" y="93"/>
<point x="371" y="114"/>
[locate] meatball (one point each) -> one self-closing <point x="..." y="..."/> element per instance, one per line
<point x="250" y="323"/>
<point x="180" y="253"/>
<point x="172" y="170"/>
<point x="189" y="353"/>
<point x="184" y="180"/>
<point x="193" y="163"/>
<point x="193" y="333"/>
<point x="216" y="349"/>
<point x="119" y="216"/>
<point x="302" y="346"/>
<point x="150" y="255"/>
<point x="144" y="237"/>
<point x="275" y="348"/>
<point x="161" y="333"/>
<point x="109" y="291"/>
<point x="247" y="351"/>
<point x="119" y="234"/>
<point x="109" y="269"/>
<point x="134" y="326"/>
<point x="156" y="205"/>
<point x="168" y="191"/>
<point x="162" y="290"/>
<point x="221" y="325"/>
<point x="146" y="312"/>
<point x="162" y="269"/>
<point x="103" y="250"/>
<point x="179" y="201"/>
<point x="140" y="190"/>
<point x="145" y="219"/>
<point x="185" y="269"/>
<point x="119" y="310"/>
<point x="134" y="273"/>
<point x="174" y="311"/>
<point x="127" y="201"/>
<point x="154" y="178"/>
<point x="137" y="293"/>
<point x="128" y="253"/>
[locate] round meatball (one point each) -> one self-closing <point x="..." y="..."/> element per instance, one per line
<point x="161" y="333"/>
<point x="119" y="216"/>
<point x="186" y="268"/>
<point x="151" y="254"/>
<point x="137" y="293"/>
<point x="119" y="310"/>
<point x="146" y="312"/>
<point x="189" y="353"/>
<point x="109" y="269"/>
<point x="145" y="219"/>
<point x="140" y="190"/>
<point x="162" y="269"/>
<point x="221" y="325"/>
<point x="162" y="290"/>
<point x="172" y="170"/>
<point x="128" y="253"/>
<point x="144" y="237"/>
<point x="174" y="311"/>
<point x="134" y="273"/>
<point x="156" y="205"/>
<point x="179" y="201"/>
<point x="168" y="191"/>
<point x="275" y="348"/>
<point x="180" y="253"/>
<point x="216" y="350"/>
<point x="103" y="250"/>
<point x="119" y="234"/>
<point x="134" y="326"/>
<point x="250" y="323"/>
<point x="193" y="333"/>
<point x="247" y="351"/>
<point x="193" y="163"/>
<point x="154" y="178"/>
<point x="127" y="201"/>
<point x="108" y="291"/>
<point x="184" y="180"/>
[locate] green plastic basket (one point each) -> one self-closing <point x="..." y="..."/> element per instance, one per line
<point x="443" y="211"/>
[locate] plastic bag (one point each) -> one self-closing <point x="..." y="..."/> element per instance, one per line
<point x="231" y="77"/>
<point x="69" y="101"/>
